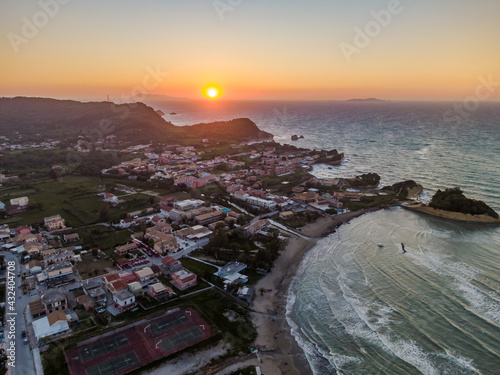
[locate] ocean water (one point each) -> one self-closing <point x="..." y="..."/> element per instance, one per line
<point x="358" y="308"/>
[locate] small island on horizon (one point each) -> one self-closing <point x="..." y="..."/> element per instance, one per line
<point x="367" y="100"/>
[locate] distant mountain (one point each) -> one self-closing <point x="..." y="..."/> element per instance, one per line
<point x="366" y="100"/>
<point x="157" y="98"/>
<point x="34" y="119"/>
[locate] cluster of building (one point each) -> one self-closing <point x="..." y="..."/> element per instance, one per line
<point x="7" y="145"/>
<point x="186" y="165"/>
<point x="16" y="205"/>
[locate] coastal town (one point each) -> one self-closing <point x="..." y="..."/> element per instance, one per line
<point x="234" y="187"/>
<point x="178" y="272"/>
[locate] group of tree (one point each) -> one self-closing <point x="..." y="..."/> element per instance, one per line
<point x="454" y="200"/>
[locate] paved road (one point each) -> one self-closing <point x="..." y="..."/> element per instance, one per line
<point x="24" y="358"/>
<point x="289" y="230"/>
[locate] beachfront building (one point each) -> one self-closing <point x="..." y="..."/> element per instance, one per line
<point x="286" y="215"/>
<point x="257" y="226"/>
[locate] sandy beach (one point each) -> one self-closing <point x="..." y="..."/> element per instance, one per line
<point x="278" y="351"/>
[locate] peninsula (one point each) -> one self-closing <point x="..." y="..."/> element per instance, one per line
<point x="452" y="204"/>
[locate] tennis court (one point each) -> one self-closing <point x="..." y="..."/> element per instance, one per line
<point x="103" y="347"/>
<point x="182" y="338"/>
<point x="115" y="365"/>
<point x="134" y="346"/>
<point x="168" y="322"/>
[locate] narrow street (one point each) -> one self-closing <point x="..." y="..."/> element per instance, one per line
<point x="24" y="358"/>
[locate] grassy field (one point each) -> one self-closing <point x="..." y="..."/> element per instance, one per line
<point x="198" y="268"/>
<point x="298" y="220"/>
<point x="91" y="267"/>
<point x="238" y="331"/>
<point x="73" y="197"/>
<point x="284" y="184"/>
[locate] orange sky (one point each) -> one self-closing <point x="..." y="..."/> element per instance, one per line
<point x="257" y="50"/>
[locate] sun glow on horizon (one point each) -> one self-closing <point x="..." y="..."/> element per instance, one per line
<point x="212" y="92"/>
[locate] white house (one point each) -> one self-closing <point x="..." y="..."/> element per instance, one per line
<point x="124" y="300"/>
<point x="108" y="197"/>
<point x="51" y="325"/>
<point x="22" y="201"/>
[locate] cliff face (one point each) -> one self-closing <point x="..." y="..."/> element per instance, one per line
<point x="406" y="189"/>
<point x="32" y="119"/>
<point x="364" y="181"/>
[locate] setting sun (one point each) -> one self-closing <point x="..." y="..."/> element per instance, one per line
<point x="212" y="91"/>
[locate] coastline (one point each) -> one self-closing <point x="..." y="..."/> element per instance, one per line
<point x="278" y="350"/>
<point x="456" y="216"/>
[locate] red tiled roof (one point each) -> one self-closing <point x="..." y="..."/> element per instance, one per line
<point x="118" y="285"/>
<point x="122" y="261"/>
<point x="111" y="277"/>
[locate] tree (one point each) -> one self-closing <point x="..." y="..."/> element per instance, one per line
<point x="262" y="290"/>
<point x="104" y="214"/>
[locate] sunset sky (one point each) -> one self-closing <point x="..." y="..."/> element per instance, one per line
<point x="256" y="49"/>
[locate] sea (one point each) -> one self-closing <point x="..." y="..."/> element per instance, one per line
<point x="358" y="304"/>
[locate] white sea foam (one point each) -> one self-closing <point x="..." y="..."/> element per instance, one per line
<point x="460" y="361"/>
<point x="367" y="322"/>
<point x="406" y="350"/>
<point x="311" y="350"/>
<point x="462" y="275"/>
<point x="480" y="303"/>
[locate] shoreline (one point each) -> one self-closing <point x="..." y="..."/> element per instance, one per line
<point x="278" y="350"/>
<point x="455" y="216"/>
